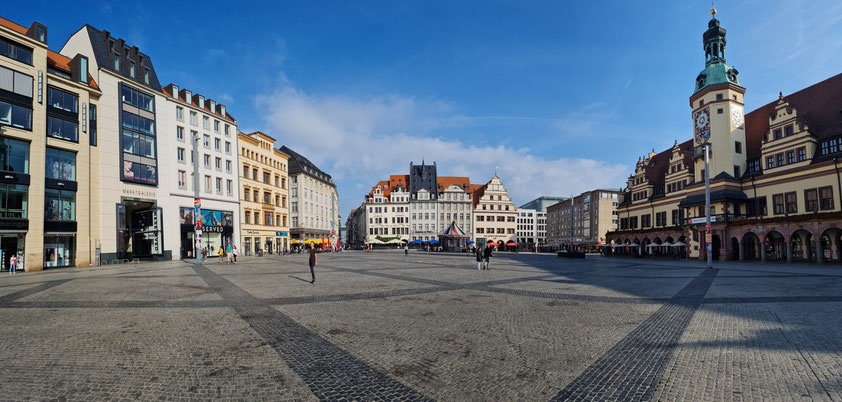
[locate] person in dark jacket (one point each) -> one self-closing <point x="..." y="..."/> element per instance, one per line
<point x="478" y="253"/>
<point x="487" y="255"/>
<point x="312" y="263"/>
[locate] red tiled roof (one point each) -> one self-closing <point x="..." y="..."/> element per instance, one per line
<point x="396" y="179"/>
<point x="11" y="25"/>
<point x="61" y="62"/>
<point x="447" y="181"/>
<point x="167" y="90"/>
<point x="384" y="188"/>
<point x="819" y="106"/>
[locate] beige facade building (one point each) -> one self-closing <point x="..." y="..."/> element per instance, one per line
<point x="264" y="195"/>
<point x="583" y="220"/>
<point x="314" y="202"/>
<point x="387" y="212"/>
<point x="48" y="153"/>
<point x="775" y="181"/>
<point x="494" y="214"/>
<point x="455" y="203"/>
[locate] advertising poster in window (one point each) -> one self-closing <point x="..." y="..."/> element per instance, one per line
<point x="212" y="220"/>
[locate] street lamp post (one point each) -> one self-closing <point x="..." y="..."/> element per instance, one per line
<point x="708" y="235"/>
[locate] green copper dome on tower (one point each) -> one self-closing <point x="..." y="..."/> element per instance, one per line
<point x="716" y="71"/>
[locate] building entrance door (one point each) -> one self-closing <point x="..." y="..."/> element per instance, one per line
<point x="9" y="246"/>
<point x="139" y="229"/>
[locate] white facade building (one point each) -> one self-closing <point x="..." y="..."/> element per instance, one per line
<point x="314" y="201"/>
<point x="192" y="117"/>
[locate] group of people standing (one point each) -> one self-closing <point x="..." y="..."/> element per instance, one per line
<point x="229" y="251"/>
<point x="483" y="257"/>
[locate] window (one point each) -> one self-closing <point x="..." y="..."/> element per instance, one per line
<point x="179" y="113"/>
<point x="179" y="133"/>
<point x="719" y="111"/>
<point x="661" y="219"/>
<point x="59" y="205"/>
<point x="645" y="221"/>
<point x="811" y="200"/>
<point x="117" y="62"/>
<point x="777" y="134"/>
<point x="228" y="166"/>
<point x="137" y="99"/>
<point x="216" y="126"/>
<point x="753" y="166"/>
<point x="826" y="198"/>
<point x="227" y="147"/>
<point x="219" y="185"/>
<point x="780" y="159"/>
<point x="182" y="179"/>
<point x="60" y="165"/>
<point x="254" y="174"/>
<point x="788" y="130"/>
<point x="266" y="178"/>
<point x="194" y="119"/>
<point x="738" y="147"/>
<point x="15" y="115"/>
<point x="830" y="146"/>
<point x="15" y="51"/>
<point x="770" y="162"/>
<point x="206" y="141"/>
<point x="205" y="122"/>
<point x="718" y="96"/>
<point x="802" y="154"/>
<point x="245" y="171"/>
<point x="62" y="129"/>
<point x="228" y="186"/>
<point x="791" y="203"/>
<point x="226" y="130"/>
<point x="207" y="160"/>
<point x="131" y="69"/>
<point x="267" y="219"/>
<point x="136" y="171"/>
<point x="256" y="196"/>
<point x="247" y="215"/>
<point x="267" y="198"/>
<point x="216" y="143"/>
<point x="246" y="193"/>
<point x="14" y="156"/>
<point x="61" y="100"/>
<point x="180" y="153"/>
<point x="92" y="124"/>
<point x="737" y="171"/>
<point x="218" y="163"/>
<point x="207" y="184"/>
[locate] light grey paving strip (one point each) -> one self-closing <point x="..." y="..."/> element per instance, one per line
<point x="330" y="372"/>
<point x="631" y="369"/>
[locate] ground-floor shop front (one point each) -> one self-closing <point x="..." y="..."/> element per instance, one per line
<point x="217" y="231"/>
<point x="794" y="239"/>
<point x="257" y="242"/>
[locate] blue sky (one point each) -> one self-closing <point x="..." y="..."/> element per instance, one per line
<point x="562" y="96"/>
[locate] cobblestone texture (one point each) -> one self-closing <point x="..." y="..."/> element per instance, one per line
<point x="387" y="326"/>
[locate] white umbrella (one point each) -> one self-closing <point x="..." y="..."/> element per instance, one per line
<point x="667" y="244"/>
<point x="678" y="244"/>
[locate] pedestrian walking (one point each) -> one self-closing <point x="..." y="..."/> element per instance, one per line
<point x="13" y="264"/>
<point x="229" y="251"/>
<point x="235" y="253"/>
<point x="312" y="263"/>
<point x="204" y="254"/>
<point x="221" y="254"/>
<point x="406" y="250"/>
<point x="478" y="254"/>
<point x="487" y="257"/>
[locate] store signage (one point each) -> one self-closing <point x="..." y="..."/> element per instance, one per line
<point x="281" y="234"/>
<point x="696" y="221"/>
<point x="207" y="218"/>
<point x="139" y="193"/>
<point x="14" y="224"/>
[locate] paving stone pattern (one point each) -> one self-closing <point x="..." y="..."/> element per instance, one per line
<point x="384" y="326"/>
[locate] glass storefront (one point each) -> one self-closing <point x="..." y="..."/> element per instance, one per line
<point x="217" y="230"/>
<point x="59" y="251"/>
<point x="12" y="243"/>
<point x="247" y="245"/>
<point x="139" y="230"/>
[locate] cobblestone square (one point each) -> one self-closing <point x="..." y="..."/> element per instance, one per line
<point x="385" y="326"/>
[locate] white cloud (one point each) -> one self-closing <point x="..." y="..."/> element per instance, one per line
<point x="360" y="141"/>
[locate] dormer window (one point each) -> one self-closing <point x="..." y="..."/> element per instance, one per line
<point x="131" y="69"/>
<point x="788" y="130"/>
<point x="777" y="134"/>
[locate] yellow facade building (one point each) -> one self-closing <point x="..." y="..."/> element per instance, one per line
<point x="48" y="155"/>
<point x="264" y="198"/>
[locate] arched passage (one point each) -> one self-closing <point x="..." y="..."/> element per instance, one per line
<point x="802" y="244"/>
<point x="775" y="245"/>
<point x="735" y="249"/>
<point x="751" y="247"/>
<point x="716" y="246"/>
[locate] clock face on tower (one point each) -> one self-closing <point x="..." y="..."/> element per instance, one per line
<point x="737" y="117"/>
<point x="701" y="123"/>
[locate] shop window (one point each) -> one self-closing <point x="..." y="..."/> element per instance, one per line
<point x="60" y="165"/>
<point x="14" y="155"/>
<point x="13" y="200"/>
<point x="59" y="251"/>
<point x="59" y="205"/>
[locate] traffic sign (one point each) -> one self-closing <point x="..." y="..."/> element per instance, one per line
<point x="695" y="221"/>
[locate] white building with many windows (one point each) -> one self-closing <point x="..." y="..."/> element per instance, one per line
<point x="192" y="117"/>
<point x="314" y="201"/>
